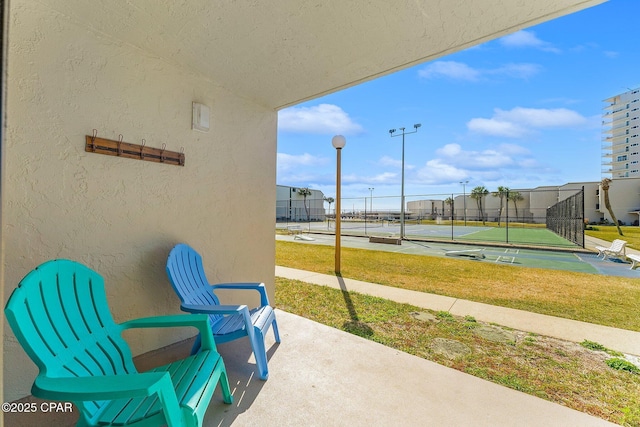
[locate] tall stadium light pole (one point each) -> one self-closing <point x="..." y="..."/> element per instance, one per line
<point x="338" y="143"/>
<point x="391" y="132"/>
<point x="371" y="200"/>
<point x="464" y="200"/>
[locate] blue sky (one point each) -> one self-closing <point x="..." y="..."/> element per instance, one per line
<point x="521" y="111"/>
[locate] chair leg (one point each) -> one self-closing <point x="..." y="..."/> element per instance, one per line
<point x="196" y="346"/>
<point x="276" y="333"/>
<point x="224" y="384"/>
<point x="260" y="353"/>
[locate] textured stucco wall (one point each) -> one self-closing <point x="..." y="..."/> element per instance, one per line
<point x="120" y="216"/>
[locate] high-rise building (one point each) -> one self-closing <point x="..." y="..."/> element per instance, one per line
<point x="621" y="136"/>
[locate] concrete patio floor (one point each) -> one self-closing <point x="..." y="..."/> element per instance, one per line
<point x="321" y="376"/>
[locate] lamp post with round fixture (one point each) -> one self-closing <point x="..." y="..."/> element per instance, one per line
<point x="391" y="132"/>
<point x="338" y="143"/>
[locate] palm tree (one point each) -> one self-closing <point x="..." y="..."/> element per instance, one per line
<point x="515" y="197"/>
<point x="329" y="200"/>
<point x="449" y="201"/>
<point x="304" y="192"/>
<point x="478" y="194"/>
<point x="605" y="189"/>
<point x="502" y="193"/>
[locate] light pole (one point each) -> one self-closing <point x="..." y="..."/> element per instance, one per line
<point x="464" y="200"/>
<point x="338" y="143"/>
<point x="371" y="200"/>
<point x="391" y="132"/>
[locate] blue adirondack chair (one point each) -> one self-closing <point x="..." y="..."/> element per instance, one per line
<point x="60" y="316"/>
<point x="228" y="322"/>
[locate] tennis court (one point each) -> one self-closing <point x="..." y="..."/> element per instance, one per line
<point x="578" y="261"/>
<point x="531" y="236"/>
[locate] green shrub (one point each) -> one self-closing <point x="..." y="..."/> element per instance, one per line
<point x="591" y="345"/>
<point x="444" y="315"/>
<point x="623" y="365"/>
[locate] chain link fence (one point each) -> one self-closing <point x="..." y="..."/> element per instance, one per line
<point x="513" y="217"/>
<point x="566" y="218"/>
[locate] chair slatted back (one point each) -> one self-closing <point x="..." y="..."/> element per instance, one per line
<point x="187" y="276"/>
<point x="60" y="316"/>
<point x="617" y="245"/>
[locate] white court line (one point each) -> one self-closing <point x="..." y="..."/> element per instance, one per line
<point x="508" y="259"/>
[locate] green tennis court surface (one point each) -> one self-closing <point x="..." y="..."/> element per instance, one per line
<point x="538" y="258"/>
<point x="532" y="236"/>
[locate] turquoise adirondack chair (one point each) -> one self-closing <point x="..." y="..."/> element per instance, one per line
<point x="228" y="322"/>
<point x="60" y="316"/>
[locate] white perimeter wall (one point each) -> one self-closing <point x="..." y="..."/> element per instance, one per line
<point x="121" y="216"/>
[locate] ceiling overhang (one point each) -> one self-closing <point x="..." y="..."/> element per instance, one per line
<point x="281" y="52"/>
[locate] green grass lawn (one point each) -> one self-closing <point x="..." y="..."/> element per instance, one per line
<point x="610" y="233"/>
<point x="559" y="371"/>
<point x="605" y="300"/>
<point x="566" y="373"/>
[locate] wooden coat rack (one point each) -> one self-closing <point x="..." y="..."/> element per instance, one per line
<point x="132" y="151"/>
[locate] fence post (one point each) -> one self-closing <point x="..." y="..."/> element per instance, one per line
<point x="365" y="216"/>
<point x="583" y="224"/>
<point x="507" y="217"/>
<point x="453" y="203"/>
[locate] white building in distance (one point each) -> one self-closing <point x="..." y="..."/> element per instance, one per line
<point x="292" y="206"/>
<point x="621" y="136"/>
<point x="532" y="205"/>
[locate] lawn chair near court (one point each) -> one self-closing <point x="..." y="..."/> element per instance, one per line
<point x="617" y="249"/>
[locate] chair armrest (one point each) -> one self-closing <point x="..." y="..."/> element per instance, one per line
<point x="223" y="309"/>
<point x="201" y="322"/>
<point x="175" y="320"/>
<point x="101" y="387"/>
<point x="264" y="299"/>
<point x="213" y="309"/>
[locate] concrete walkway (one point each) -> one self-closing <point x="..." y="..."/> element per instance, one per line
<point x="566" y="329"/>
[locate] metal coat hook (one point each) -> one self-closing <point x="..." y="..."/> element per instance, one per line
<point x="93" y="140"/>
<point x="120" y="144"/>
<point x="144" y="142"/>
<point x="181" y="159"/>
<point x="162" y="158"/>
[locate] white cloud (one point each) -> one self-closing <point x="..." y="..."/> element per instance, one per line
<point x="519" y="71"/>
<point x="521" y="39"/>
<point x="289" y="161"/>
<point x="384" y="178"/>
<point x="496" y="127"/>
<point x="451" y="69"/>
<point x="526" y="39"/>
<point x="436" y="172"/>
<point x="453" y="163"/>
<point x="455" y="155"/>
<point x="450" y="150"/>
<point x="391" y="162"/>
<point x="461" y="71"/>
<point x="513" y="149"/>
<point x="519" y="121"/>
<point x="326" y="119"/>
